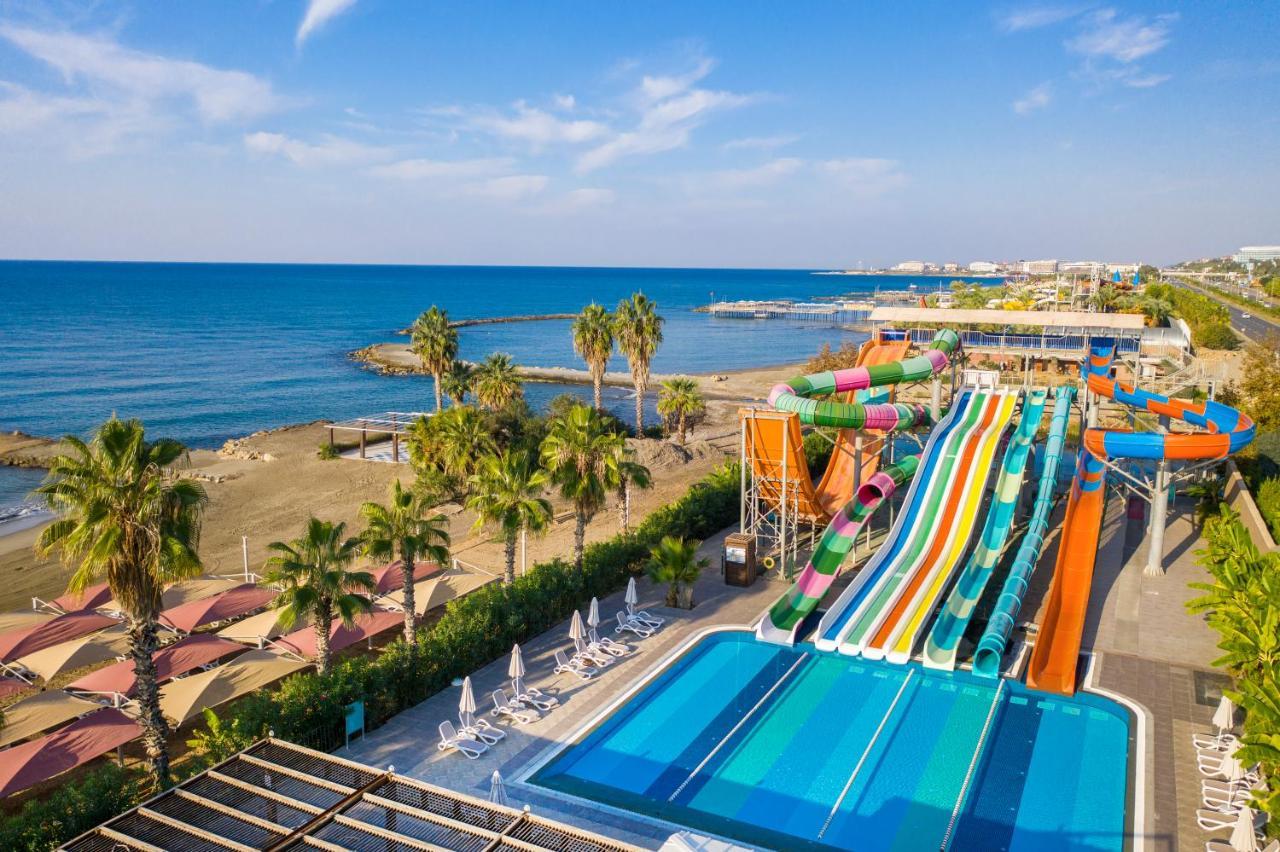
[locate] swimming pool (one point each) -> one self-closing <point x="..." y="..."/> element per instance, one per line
<point x="791" y="748"/>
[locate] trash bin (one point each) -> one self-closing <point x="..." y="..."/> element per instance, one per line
<point x="738" y="559"/>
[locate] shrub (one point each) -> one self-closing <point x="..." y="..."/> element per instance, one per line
<point x="1215" y="335"/>
<point x="1268" y="499"/>
<point x="327" y="452"/>
<point x="71" y="809"/>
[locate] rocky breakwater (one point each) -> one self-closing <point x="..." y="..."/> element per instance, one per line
<point x="18" y="449"/>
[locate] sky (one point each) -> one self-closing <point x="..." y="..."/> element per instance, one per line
<point x="743" y="134"/>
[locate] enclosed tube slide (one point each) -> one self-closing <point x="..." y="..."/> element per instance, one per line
<point x="991" y="645"/>
<point x="944" y="639"/>
<point x="782" y="621"/>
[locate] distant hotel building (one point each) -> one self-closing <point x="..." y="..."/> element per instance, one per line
<point x="910" y="266"/>
<point x="983" y="266"/>
<point x="1256" y="254"/>
<point x="1040" y="267"/>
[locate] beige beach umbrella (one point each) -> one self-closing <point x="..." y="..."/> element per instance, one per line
<point x="633" y="596"/>
<point x="39" y="713"/>
<point x="497" y="790"/>
<point x="576" y="629"/>
<point x="516" y="667"/>
<point x="89" y="650"/>
<point x="467" y="701"/>
<point x="593" y="614"/>
<point x="1243" y="836"/>
<point x="1224" y="718"/>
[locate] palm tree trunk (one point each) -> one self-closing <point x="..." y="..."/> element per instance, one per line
<point x="680" y="427"/>
<point x="597" y="382"/>
<point x="155" y="730"/>
<point x="410" y="613"/>
<point x="579" y="538"/>
<point x="626" y="505"/>
<point x="639" y="408"/>
<point x="672" y="592"/>
<point x="436" y="377"/>
<point x="324" y="623"/>
<point x="511" y="557"/>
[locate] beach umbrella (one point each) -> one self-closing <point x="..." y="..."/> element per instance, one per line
<point x="1116" y="276"/>
<point x="593" y="614"/>
<point x="467" y="702"/>
<point x="632" y="598"/>
<point x="576" y="630"/>
<point x="1224" y="718"/>
<point x="497" y="790"/>
<point x="516" y="667"/>
<point x="1242" y="837"/>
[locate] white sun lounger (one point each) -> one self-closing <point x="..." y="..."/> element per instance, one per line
<point x="626" y="625"/>
<point x="609" y="646"/>
<point x="1214" y="742"/>
<point x="1211" y="819"/>
<point x="480" y="729"/>
<point x="503" y="707"/>
<point x="574" y="666"/>
<point x="532" y="695"/>
<point x="451" y="739"/>
<point x="1225" y="846"/>
<point x="653" y="621"/>
<point x="591" y="655"/>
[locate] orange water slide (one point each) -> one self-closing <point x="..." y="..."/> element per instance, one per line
<point x="1057" y="650"/>
<point x="839" y="480"/>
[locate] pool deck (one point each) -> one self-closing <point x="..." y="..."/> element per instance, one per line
<point x="1146" y="647"/>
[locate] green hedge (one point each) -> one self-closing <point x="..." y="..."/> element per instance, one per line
<point x="1209" y="320"/>
<point x="475" y="630"/>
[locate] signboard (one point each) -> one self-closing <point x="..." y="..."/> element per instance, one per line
<point x="355" y="719"/>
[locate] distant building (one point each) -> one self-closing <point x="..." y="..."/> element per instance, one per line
<point x="910" y="266"/>
<point x="1255" y="254"/>
<point x="1040" y="267"/>
<point x="1081" y="267"/>
<point x="950" y="267"/>
<point x="1122" y="268"/>
<point x="983" y="266"/>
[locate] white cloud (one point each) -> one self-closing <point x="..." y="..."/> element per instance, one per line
<point x="424" y="169"/>
<point x="319" y="13"/>
<point x="762" y="175"/>
<point x="217" y="95"/>
<point x="759" y="143"/>
<point x="1035" y="17"/>
<point x="1037" y="98"/>
<point x="865" y="175"/>
<point x="564" y="102"/>
<point x="329" y="151"/>
<point x="537" y="127"/>
<point x="509" y="187"/>
<point x="589" y="196"/>
<point x="1108" y="36"/>
<point x="654" y="89"/>
<point x="23" y="109"/>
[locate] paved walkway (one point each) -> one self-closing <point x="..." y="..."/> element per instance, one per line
<point x="409" y="740"/>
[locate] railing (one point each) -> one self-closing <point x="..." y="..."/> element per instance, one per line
<point x="1029" y="342"/>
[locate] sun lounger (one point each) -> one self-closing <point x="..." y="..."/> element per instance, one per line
<point x="1211" y="819"/>
<point x="1214" y="742"/>
<point x="609" y="646"/>
<point x="480" y="729"/>
<point x="588" y="654"/>
<point x="531" y="695"/>
<point x="574" y="666"/>
<point x="451" y="739"/>
<point x="503" y="707"/>
<point x="652" y="621"/>
<point x="1225" y="846"/>
<point x="626" y="625"/>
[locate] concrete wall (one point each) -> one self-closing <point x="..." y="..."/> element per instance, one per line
<point x="1238" y="498"/>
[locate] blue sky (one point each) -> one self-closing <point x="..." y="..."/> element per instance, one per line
<point x="815" y="134"/>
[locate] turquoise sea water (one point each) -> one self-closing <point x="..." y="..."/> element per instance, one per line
<point x="205" y="352"/>
<point x="760" y="743"/>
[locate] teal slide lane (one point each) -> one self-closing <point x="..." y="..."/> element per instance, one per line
<point x="944" y="639"/>
<point x="991" y="646"/>
<point x="836" y="619"/>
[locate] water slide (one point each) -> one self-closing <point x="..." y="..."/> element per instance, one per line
<point x="895" y="616"/>
<point x="1053" y="659"/>
<point x="994" y="639"/>
<point x="944" y="639"/>
<point x="783" y="620"/>
<point x="935" y="508"/>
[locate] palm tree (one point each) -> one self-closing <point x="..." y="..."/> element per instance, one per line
<point x="1156" y="310"/>
<point x="1105" y="298"/>
<point x="675" y="562"/>
<point x="629" y="474"/>
<point x="124" y="519"/>
<point x="679" y="398"/>
<point x="579" y="455"/>
<point x="593" y="340"/>
<point x="506" y="492"/>
<point x="639" y="331"/>
<point x="402" y="530"/>
<point x="312" y="571"/>
<point x="497" y="383"/>
<point x="450" y="443"/>
<point x="435" y="341"/>
<point x="458" y="382"/>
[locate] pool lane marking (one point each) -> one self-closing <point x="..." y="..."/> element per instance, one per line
<point x="866" y="752"/>
<point x="973" y="764"/>
<point x="736" y="727"/>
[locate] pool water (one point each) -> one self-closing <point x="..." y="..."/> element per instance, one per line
<point x="791" y="748"/>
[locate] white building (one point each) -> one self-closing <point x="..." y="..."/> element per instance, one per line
<point x="983" y="266"/>
<point x="1254" y="254"/>
<point x="950" y="267"/>
<point x="1040" y="267"/>
<point x="1082" y="267"/>
<point x="910" y="266"/>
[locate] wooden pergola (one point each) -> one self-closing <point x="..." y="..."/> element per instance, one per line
<point x="391" y="423"/>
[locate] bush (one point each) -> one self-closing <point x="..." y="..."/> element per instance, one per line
<point x="71" y="809"/>
<point x="1267" y="496"/>
<point x="1215" y="335"/>
<point x="327" y="452"/>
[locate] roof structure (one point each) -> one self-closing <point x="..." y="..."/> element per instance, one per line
<point x="14" y="621"/>
<point x="63" y="628"/>
<point x="85" y="651"/>
<point x="90" y="598"/>
<point x="279" y="796"/>
<point x="233" y="603"/>
<point x="177" y="659"/>
<point x="1040" y="319"/>
<point x="436" y="591"/>
<point x="39" y="713"/>
<point x="391" y="577"/>
<point x="182" y="699"/>
<point x="386" y="422"/>
<point x="80" y="742"/>
<point x="303" y="642"/>
<point x="187" y="590"/>
<point x="255" y="628"/>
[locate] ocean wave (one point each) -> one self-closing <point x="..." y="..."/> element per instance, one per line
<point x="21" y="511"/>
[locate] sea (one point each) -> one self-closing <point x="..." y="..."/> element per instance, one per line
<point x="207" y="352"/>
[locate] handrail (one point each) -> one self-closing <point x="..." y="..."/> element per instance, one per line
<point x="973" y="764"/>
<point x="865" y="752"/>
<point x="735" y="728"/>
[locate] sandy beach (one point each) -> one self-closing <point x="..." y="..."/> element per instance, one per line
<point x="267" y="486"/>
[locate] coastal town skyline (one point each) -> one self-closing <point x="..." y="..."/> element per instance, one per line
<point x="363" y="131"/>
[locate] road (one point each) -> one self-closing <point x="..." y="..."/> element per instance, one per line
<point x="1256" y="327"/>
